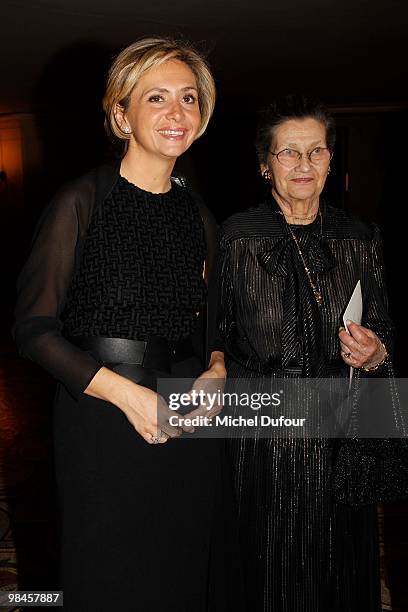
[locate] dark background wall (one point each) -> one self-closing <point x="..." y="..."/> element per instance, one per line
<point x="55" y="54"/>
<point x="367" y="179"/>
<point x="351" y="54"/>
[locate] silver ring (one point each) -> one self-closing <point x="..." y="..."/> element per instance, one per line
<point x="346" y="355"/>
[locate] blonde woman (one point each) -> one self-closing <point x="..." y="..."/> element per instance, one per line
<point x="108" y="301"/>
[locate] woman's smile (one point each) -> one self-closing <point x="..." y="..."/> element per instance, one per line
<point x="173" y="133"/>
<point x="303" y="180"/>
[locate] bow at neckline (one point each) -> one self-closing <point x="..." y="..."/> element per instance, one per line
<point x="316" y="252"/>
<point x="301" y="332"/>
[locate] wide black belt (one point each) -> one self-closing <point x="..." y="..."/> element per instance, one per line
<point x="155" y="353"/>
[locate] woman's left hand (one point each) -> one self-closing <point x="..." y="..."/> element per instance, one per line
<point x="361" y="348"/>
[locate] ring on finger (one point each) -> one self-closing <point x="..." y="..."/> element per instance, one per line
<point x="347" y="355"/>
<point x="156" y="439"/>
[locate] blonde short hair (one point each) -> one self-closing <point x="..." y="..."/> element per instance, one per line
<point x="137" y="59"/>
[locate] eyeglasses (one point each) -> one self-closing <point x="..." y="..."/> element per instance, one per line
<point x="290" y="158"/>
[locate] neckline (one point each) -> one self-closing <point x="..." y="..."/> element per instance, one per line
<point x="316" y="223"/>
<point x="149" y="194"/>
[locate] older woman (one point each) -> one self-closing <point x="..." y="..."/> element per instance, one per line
<point x="287" y="270"/>
<point x="108" y="301"/>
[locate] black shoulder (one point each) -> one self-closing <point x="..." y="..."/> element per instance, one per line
<point x="258" y="220"/>
<point x="84" y="192"/>
<point x="339" y="223"/>
<point x="99" y="181"/>
<point x="206" y="215"/>
<point x="75" y="200"/>
<point x="263" y="220"/>
<point x="77" y="186"/>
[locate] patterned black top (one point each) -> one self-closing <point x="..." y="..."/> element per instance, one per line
<point x="109" y="258"/>
<point x="141" y="269"/>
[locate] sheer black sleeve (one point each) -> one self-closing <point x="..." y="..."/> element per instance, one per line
<point x="211" y="233"/>
<point x="211" y="240"/>
<point x="221" y="296"/>
<point x="42" y="287"/>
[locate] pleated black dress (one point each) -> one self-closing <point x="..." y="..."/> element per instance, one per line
<point x="144" y="527"/>
<point x="304" y="546"/>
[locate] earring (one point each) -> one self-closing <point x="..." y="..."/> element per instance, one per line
<point x="126" y="129"/>
<point x="266" y="174"/>
<point x="328" y="170"/>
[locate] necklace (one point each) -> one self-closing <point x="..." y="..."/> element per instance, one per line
<point x="316" y="292"/>
<point x="298" y="218"/>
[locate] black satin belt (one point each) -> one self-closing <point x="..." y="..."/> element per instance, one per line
<point x="122" y="354"/>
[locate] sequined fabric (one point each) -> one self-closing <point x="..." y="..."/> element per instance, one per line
<point x="302" y="550"/>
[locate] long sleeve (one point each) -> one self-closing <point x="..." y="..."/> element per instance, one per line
<point x="210" y="273"/>
<point x="375" y="312"/>
<point x="370" y="470"/>
<point x="42" y="288"/>
<point x="211" y="233"/>
<point x="221" y="297"/>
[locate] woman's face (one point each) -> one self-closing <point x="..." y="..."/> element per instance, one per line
<point x="163" y="115"/>
<point x="306" y="179"/>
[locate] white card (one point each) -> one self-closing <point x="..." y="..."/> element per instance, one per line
<point x="354" y="311"/>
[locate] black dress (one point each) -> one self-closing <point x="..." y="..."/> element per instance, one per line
<point x="144" y="527"/>
<point x="306" y="544"/>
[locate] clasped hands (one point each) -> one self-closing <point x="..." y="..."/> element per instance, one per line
<point x="361" y="348"/>
<point x="147" y="411"/>
<point x="207" y="388"/>
<point x="152" y="418"/>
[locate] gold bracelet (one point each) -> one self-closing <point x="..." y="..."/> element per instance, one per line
<point x="378" y="365"/>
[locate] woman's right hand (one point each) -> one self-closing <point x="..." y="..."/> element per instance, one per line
<point x="145" y="409"/>
<point x="149" y="414"/>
